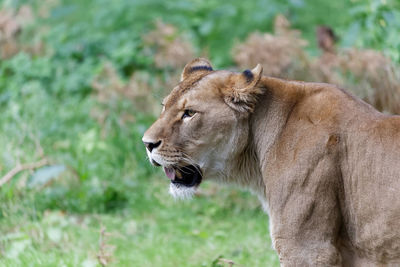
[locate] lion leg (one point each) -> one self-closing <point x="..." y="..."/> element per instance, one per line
<point x="305" y="217"/>
<point x="305" y="232"/>
<point x="308" y="253"/>
<point x="312" y="248"/>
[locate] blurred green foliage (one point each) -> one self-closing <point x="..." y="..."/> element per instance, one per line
<point x="49" y="94"/>
<point x="375" y="24"/>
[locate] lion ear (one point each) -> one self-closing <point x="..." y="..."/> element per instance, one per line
<point x="242" y="96"/>
<point x="196" y="65"/>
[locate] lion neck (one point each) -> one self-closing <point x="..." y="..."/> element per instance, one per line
<point x="265" y="126"/>
<point x="271" y="113"/>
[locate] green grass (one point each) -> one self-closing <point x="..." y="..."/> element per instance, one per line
<point x="159" y="231"/>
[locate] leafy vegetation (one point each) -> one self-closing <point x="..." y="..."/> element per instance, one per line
<point x="80" y="81"/>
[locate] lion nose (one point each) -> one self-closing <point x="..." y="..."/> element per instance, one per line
<point x="150" y="146"/>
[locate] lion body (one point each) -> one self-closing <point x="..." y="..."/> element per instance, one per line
<point x="331" y="171"/>
<point x="325" y="164"/>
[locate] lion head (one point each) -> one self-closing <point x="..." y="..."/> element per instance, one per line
<point x="203" y="125"/>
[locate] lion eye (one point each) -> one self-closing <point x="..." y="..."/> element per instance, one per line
<point x="188" y="113"/>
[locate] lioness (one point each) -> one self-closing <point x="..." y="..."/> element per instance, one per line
<point x="325" y="165"/>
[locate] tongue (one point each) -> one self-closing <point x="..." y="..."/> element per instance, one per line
<point x="170" y="172"/>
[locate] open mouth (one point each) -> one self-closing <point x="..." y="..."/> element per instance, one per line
<point x="187" y="176"/>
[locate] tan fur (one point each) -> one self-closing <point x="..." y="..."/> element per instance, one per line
<point x="325" y="164"/>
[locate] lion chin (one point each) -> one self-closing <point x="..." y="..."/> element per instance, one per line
<point x="181" y="192"/>
<point x="325" y="165"/>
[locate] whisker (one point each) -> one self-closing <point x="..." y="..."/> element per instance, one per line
<point x="191" y="161"/>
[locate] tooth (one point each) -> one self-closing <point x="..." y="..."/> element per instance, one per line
<point x="178" y="174"/>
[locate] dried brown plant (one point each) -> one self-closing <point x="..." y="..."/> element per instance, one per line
<point x="12" y="24"/>
<point x="143" y="91"/>
<point x="325" y="68"/>
<point x="281" y="54"/>
<point x="374" y="77"/>
<point x="229" y="262"/>
<point x="106" y="251"/>
<point x="170" y="48"/>
<point x="110" y="90"/>
<point x="366" y="73"/>
<point x="326" y="39"/>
